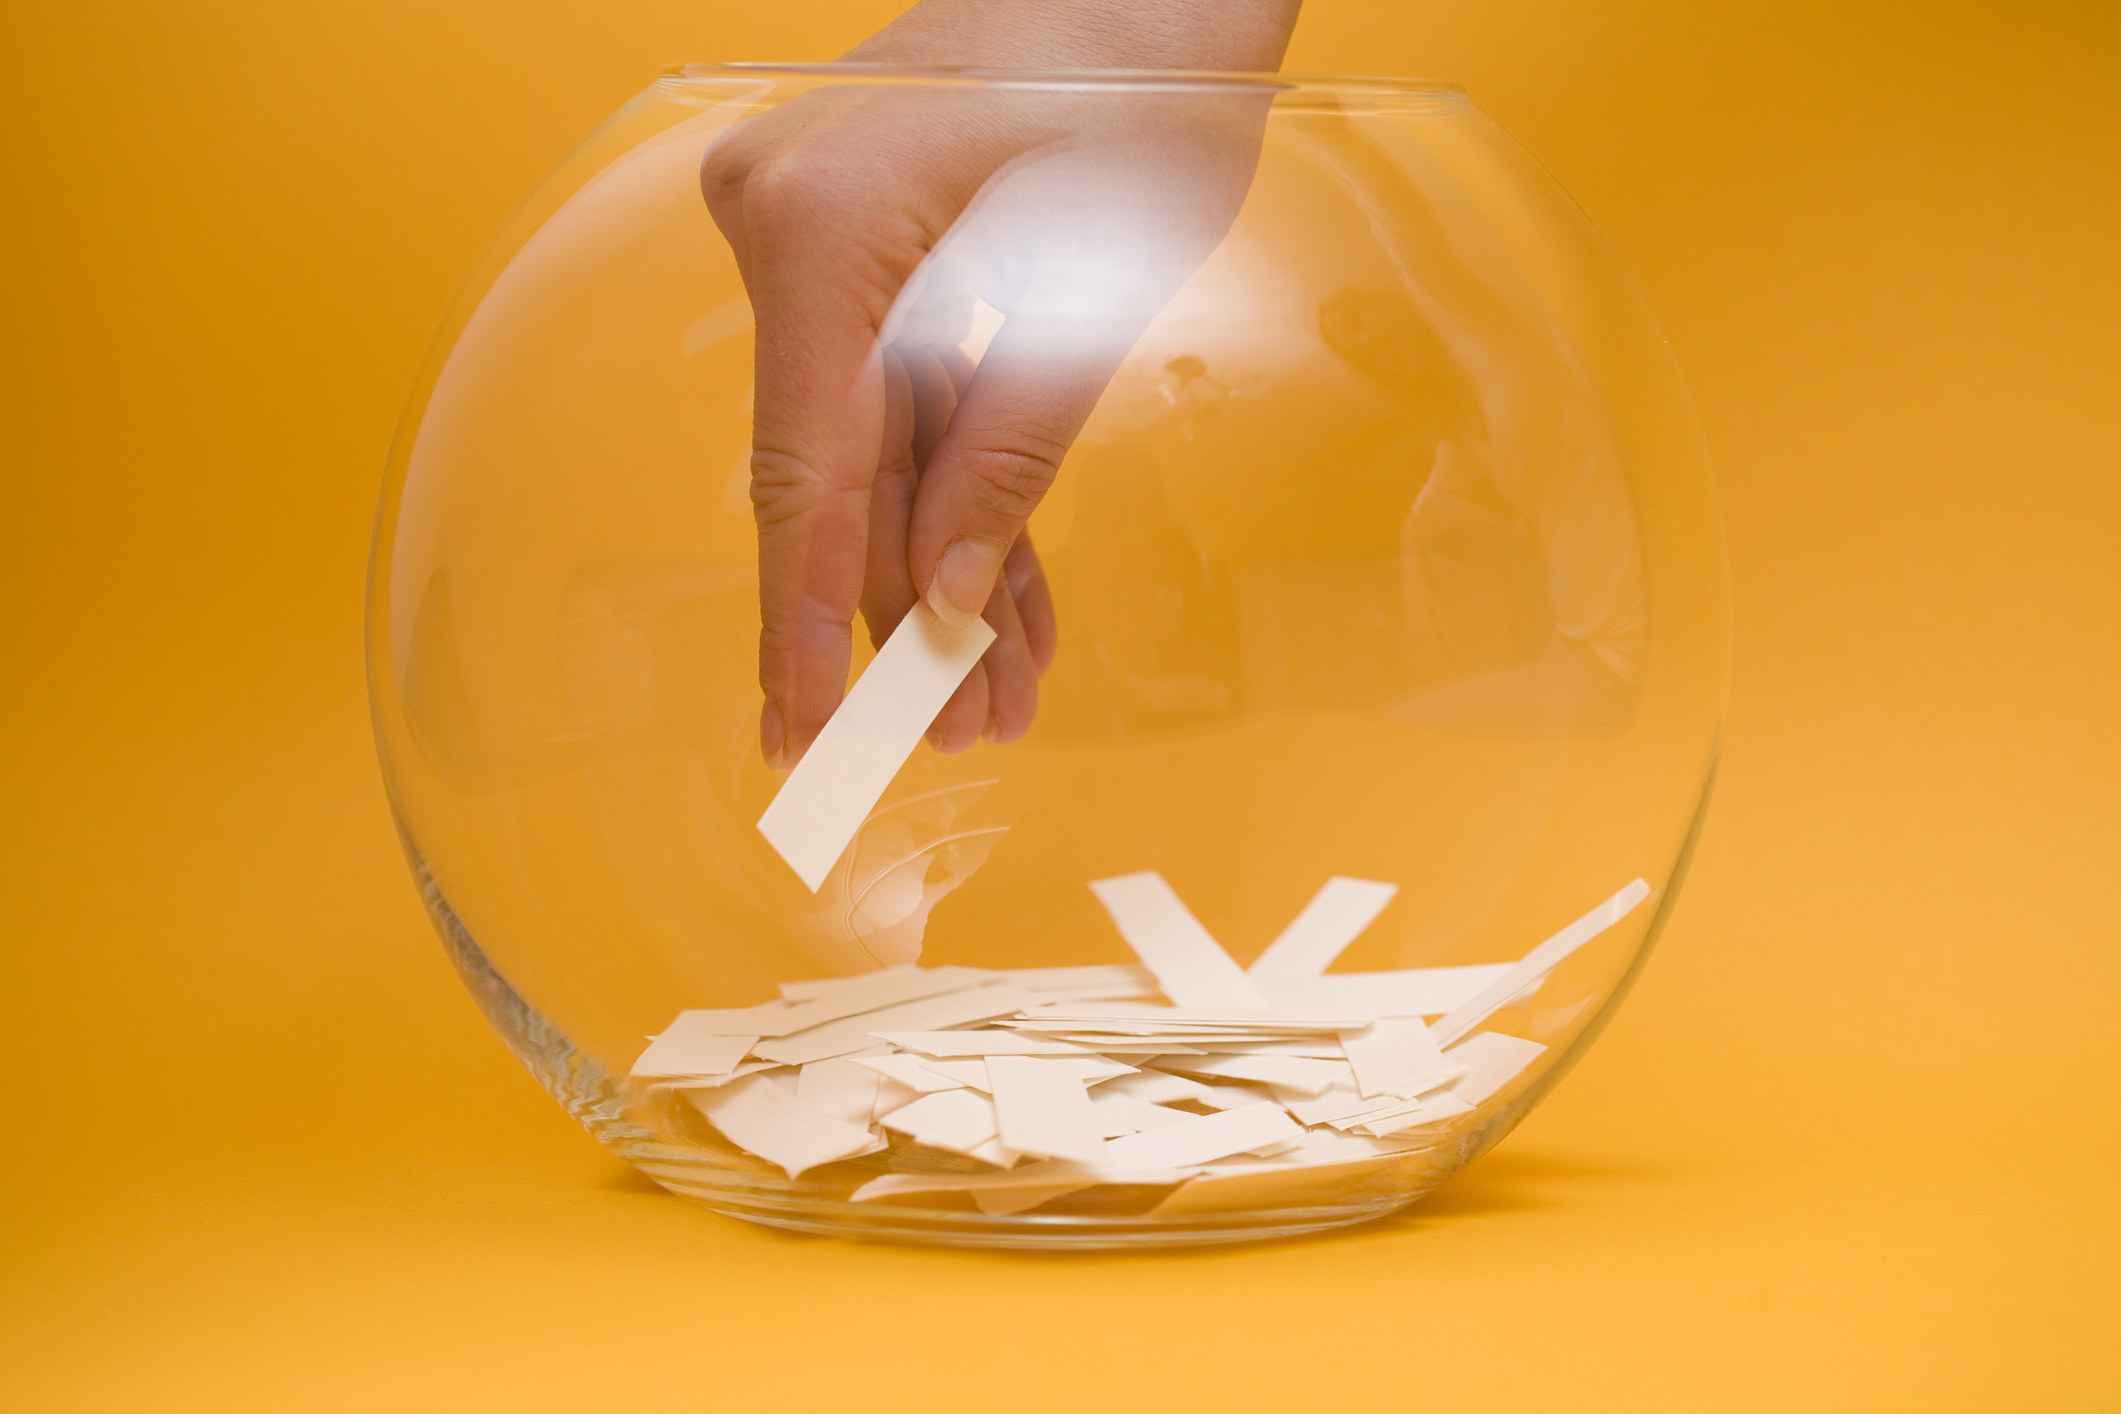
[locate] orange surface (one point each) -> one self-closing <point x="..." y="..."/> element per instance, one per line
<point x="1850" y="1146"/>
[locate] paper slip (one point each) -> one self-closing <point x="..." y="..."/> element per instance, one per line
<point x="812" y="988"/>
<point x="958" y="1120"/>
<point x="763" y="1119"/>
<point x="1434" y="1110"/>
<point x="1491" y="1060"/>
<point x="1161" y="1087"/>
<point x="681" y="1052"/>
<point x="1112" y="981"/>
<point x="908" y="1071"/>
<point x="1297" y="1073"/>
<point x="1081" y="1016"/>
<point x="839" y="1088"/>
<point x="1538" y="963"/>
<point x="1044" y="1111"/>
<point x="1420" y="991"/>
<point x="1333" y="918"/>
<point x="854" y="996"/>
<point x="1123" y="1114"/>
<point x="1269" y="1046"/>
<point x="1124" y="1046"/>
<point x="1190" y="967"/>
<point x="1203" y="1138"/>
<point x="828" y="796"/>
<point x="709" y="1082"/>
<point x="974" y="1073"/>
<point x="945" y="1044"/>
<point x="1340" y="1102"/>
<point x="857" y="1033"/>
<point x="729" y="1021"/>
<point x="1396" y="1058"/>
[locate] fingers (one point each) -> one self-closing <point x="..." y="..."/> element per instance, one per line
<point x="1026" y="578"/>
<point x="817" y="431"/>
<point x="1012" y="675"/>
<point x="1015" y="422"/>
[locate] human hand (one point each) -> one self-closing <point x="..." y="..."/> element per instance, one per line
<point x="868" y="222"/>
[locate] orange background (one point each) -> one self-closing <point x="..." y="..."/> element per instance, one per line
<point x="1851" y="1146"/>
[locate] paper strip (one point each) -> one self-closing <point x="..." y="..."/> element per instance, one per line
<point x="841" y="1088"/>
<point x="1434" y="1110"/>
<point x="1333" y="918"/>
<point x="761" y="1118"/>
<point x="1491" y="1060"/>
<point x="1538" y="963"/>
<point x="1044" y="1110"/>
<point x="949" y="1044"/>
<point x="681" y="1051"/>
<point x="909" y="1072"/>
<point x="1419" y="991"/>
<point x="957" y="1120"/>
<point x="1189" y="965"/>
<point x="1099" y="981"/>
<point x="1288" y="1072"/>
<point x="1090" y="1070"/>
<point x="828" y="796"/>
<point x="810" y="989"/>
<point x="1398" y="1058"/>
<point x="1202" y="1138"/>
<point x="1123" y="1114"/>
<point x="855" y="1033"/>
<point x="873" y="991"/>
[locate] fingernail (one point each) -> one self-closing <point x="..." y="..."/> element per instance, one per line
<point x="964" y="578"/>
<point x="772" y="738"/>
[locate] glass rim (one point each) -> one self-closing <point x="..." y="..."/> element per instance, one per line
<point x="1061" y="78"/>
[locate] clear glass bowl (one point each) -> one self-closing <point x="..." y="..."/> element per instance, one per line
<point x="1389" y="553"/>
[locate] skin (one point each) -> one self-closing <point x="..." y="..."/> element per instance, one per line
<point x="865" y="221"/>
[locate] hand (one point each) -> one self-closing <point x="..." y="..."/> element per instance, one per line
<point x="869" y="222"/>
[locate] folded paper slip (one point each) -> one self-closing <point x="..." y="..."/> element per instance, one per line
<point x="828" y="796"/>
<point x="760" y="1117"/>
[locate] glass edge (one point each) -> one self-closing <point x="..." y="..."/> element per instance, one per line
<point x="1168" y="80"/>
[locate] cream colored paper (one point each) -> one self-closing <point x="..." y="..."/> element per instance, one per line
<point x="857" y="1033"/>
<point x="1044" y="1110"/>
<point x="1333" y="918"/>
<point x="1397" y="1058"/>
<point x="760" y="1117"/>
<point x="1190" y="967"/>
<point x="828" y="796"/>
<point x="1203" y="1138"/>
<point x="1538" y="963"/>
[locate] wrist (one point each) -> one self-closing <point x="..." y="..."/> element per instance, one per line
<point x="1237" y="35"/>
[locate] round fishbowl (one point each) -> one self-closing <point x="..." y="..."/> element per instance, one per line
<point x="1306" y="795"/>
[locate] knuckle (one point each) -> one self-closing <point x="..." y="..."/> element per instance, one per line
<point x="1014" y="476"/>
<point x="784" y="487"/>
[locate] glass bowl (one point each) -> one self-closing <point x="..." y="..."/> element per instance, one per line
<point x="1387" y="583"/>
